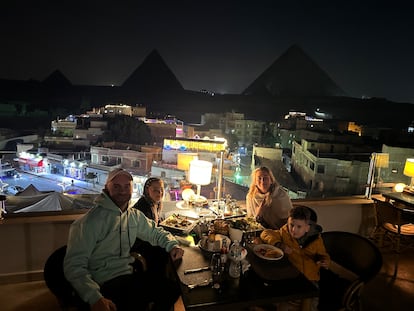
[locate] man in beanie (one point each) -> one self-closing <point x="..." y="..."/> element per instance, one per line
<point x="98" y="260"/>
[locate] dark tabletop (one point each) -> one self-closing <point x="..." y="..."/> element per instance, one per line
<point x="265" y="282"/>
<point x="401" y="197"/>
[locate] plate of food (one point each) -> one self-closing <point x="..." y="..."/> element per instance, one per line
<point x="179" y="223"/>
<point x="268" y="252"/>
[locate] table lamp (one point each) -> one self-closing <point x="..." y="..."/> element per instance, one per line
<point x="409" y="171"/>
<point x="200" y="174"/>
<point x="381" y="161"/>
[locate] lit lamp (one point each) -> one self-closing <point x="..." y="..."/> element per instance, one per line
<point x="409" y="171"/>
<point x="381" y="161"/>
<point x="200" y="174"/>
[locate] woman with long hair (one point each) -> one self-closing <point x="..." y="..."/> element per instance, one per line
<point x="266" y="200"/>
<point x="150" y="204"/>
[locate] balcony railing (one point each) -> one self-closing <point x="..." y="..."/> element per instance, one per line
<point x="30" y="239"/>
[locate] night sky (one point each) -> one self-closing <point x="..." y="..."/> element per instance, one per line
<point x="366" y="47"/>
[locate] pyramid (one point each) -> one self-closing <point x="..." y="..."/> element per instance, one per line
<point x="294" y="74"/>
<point x="57" y="80"/>
<point x="153" y="75"/>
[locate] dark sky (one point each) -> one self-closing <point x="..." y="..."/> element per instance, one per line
<point x="367" y="47"/>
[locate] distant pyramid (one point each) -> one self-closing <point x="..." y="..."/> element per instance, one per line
<point x="294" y="74"/>
<point x="153" y="75"/>
<point x="57" y="80"/>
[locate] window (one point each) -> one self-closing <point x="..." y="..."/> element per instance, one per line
<point x="321" y="169"/>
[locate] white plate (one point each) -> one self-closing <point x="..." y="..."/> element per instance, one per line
<point x="179" y="223"/>
<point x="261" y="248"/>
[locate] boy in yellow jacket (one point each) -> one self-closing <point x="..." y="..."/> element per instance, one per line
<point x="301" y="242"/>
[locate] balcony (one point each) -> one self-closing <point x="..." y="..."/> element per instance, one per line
<point x="27" y="241"/>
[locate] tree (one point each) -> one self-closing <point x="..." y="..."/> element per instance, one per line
<point x="127" y="129"/>
<point x="232" y="141"/>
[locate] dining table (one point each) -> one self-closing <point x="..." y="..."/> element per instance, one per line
<point x="404" y="198"/>
<point x="403" y="203"/>
<point x="265" y="282"/>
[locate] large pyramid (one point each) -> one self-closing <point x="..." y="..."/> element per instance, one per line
<point x="152" y="76"/>
<point x="294" y="74"/>
<point x="57" y="80"/>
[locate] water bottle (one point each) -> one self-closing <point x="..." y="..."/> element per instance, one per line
<point x="235" y="258"/>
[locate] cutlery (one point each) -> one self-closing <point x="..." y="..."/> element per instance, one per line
<point x="214" y="212"/>
<point x="196" y="270"/>
<point x="206" y="282"/>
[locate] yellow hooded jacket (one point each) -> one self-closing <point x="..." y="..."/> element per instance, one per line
<point x="304" y="256"/>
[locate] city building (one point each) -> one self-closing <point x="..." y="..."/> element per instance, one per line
<point x="331" y="169"/>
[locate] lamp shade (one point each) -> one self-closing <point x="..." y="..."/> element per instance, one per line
<point x="200" y="172"/>
<point x="382" y="160"/>
<point x="409" y="167"/>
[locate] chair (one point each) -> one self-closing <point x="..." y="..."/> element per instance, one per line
<point x="391" y="224"/>
<point x="55" y="280"/>
<point x="66" y="295"/>
<point x="355" y="261"/>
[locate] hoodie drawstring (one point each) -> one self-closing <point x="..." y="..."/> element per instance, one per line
<point x="120" y="231"/>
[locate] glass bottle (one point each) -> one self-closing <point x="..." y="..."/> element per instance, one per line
<point x="235" y="258"/>
<point x="211" y="239"/>
<point x="223" y="253"/>
<point x="216" y="270"/>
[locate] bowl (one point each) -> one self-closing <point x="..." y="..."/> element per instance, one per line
<point x="202" y="244"/>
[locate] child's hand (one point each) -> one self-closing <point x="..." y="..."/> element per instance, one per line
<point x="286" y="249"/>
<point x="323" y="263"/>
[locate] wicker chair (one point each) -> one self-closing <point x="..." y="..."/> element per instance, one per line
<point x="355" y="261"/>
<point x="392" y="225"/>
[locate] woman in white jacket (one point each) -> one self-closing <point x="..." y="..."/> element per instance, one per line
<point x="266" y="200"/>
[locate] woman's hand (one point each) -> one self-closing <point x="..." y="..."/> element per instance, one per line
<point x="103" y="304"/>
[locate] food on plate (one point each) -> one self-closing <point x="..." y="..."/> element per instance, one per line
<point x="268" y="252"/>
<point x="246" y="224"/>
<point x="221" y="226"/>
<point x="178" y="221"/>
<point x="199" y="202"/>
